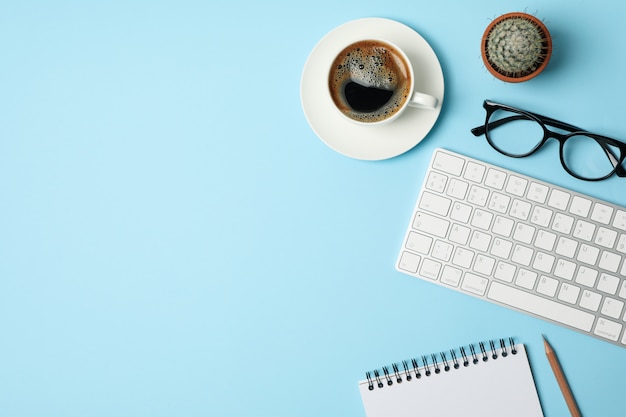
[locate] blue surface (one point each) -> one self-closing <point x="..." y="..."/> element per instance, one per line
<point x="176" y="241"/>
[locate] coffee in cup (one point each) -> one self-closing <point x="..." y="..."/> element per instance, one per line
<point x="371" y="81"/>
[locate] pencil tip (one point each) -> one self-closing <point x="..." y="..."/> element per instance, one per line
<point x="546" y="345"/>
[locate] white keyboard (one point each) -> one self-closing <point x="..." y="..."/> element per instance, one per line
<point x="522" y="243"/>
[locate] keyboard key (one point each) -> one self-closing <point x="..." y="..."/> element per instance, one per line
<point x="590" y="300"/>
<point x="495" y="179"/>
<point x="451" y="276"/>
<point x="540" y="306"/>
<point x="431" y="224"/>
<point x="442" y="251"/>
<point x="419" y="243"/>
<point x="435" y="203"/>
<point x="569" y="293"/>
<point x="620" y="220"/>
<point x="580" y="206"/>
<point x="612" y="307"/>
<point x="526" y="279"/>
<point x="478" y="195"/>
<point x="503" y="226"/>
<point x="516" y="185"/>
<point x="430" y="269"/>
<point x="566" y="247"/>
<point x="448" y="163"/>
<point x="501" y="248"/>
<point x="461" y="212"/>
<point x="463" y="257"/>
<point x="621" y="244"/>
<point x="609" y="261"/>
<point x="608" y="329"/>
<point x="601" y="213"/>
<point x="505" y="271"/>
<point x="475" y="284"/>
<point x="588" y="254"/>
<point x="541" y="216"/>
<point x="584" y="230"/>
<point x="606" y="237"/>
<point x="524" y="233"/>
<point x="520" y="209"/>
<point x="563" y="223"/>
<point x="547" y="286"/>
<point x="459" y="234"/>
<point x="565" y="269"/>
<point x="608" y="283"/>
<point x="480" y="241"/>
<point x="409" y="262"/>
<point x="545" y="240"/>
<point x="484" y="264"/>
<point x="436" y="182"/>
<point x="559" y="199"/>
<point x="482" y="219"/>
<point x="538" y="192"/>
<point x="457" y="189"/>
<point x="543" y="262"/>
<point x="522" y="255"/>
<point x="622" y="290"/>
<point x="499" y="202"/>
<point x="586" y="276"/>
<point x="474" y="172"/>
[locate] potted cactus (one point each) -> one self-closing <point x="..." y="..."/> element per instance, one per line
<point x="516" y="47"/>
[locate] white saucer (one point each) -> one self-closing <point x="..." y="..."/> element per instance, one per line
<point x="370" y="142"/>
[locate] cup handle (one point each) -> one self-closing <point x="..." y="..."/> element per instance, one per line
<point x="423" y="101"/>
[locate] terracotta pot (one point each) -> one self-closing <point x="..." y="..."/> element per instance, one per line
<point x="516" y="47"/>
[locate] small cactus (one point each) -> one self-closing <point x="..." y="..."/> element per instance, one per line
<point x="516" y="47"/>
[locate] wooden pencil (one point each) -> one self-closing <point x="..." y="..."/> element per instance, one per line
<point x="560" y="378"/>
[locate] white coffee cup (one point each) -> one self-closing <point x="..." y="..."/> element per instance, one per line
<point x="372" y="82"/>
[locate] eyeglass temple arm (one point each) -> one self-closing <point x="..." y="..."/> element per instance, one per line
<point x="482" y="129"/>
<point x="619" y="169"/>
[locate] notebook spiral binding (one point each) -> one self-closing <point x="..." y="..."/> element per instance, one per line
<point x="412" y="368"/>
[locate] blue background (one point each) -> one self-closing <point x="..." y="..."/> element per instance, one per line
<point x="176" y="241"/>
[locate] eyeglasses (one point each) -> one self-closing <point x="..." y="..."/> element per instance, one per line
<point x="519" y="133"/>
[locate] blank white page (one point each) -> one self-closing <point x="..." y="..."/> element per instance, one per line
<point x="497" y="387"/>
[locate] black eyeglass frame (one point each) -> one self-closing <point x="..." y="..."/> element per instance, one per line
<point x="543" y="121"/>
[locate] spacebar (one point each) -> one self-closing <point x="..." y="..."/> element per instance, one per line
<point x="541" y="306"/>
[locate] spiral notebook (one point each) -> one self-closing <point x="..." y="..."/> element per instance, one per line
<point x="479" y="380"/>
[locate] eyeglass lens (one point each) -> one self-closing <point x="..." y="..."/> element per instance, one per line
<point x="587" y="157"/>
<point x="520" y="135"/>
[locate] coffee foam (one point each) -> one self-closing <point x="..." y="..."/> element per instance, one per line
<point x="371" y="64"/>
